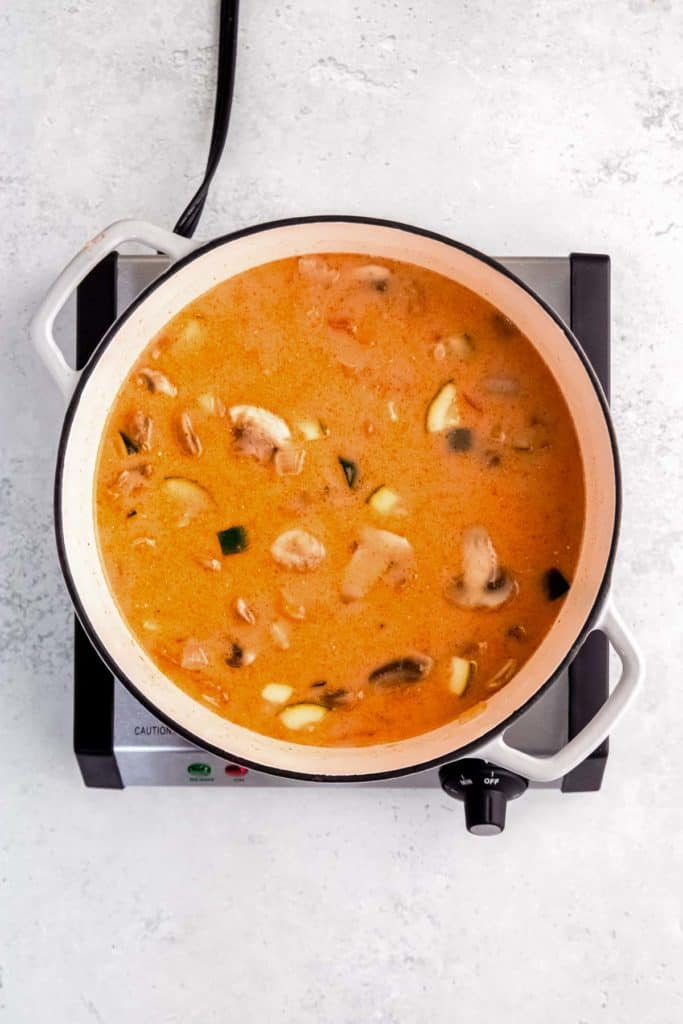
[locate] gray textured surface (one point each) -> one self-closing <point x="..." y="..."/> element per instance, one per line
<point x="528" y="127"/>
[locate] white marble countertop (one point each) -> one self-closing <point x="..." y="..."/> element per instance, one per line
<point x="523" y="127"/>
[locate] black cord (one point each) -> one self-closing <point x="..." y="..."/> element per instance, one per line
<point x="225" y="83"/>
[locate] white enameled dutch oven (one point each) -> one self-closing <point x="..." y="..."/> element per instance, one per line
<point x="196" y="268"/>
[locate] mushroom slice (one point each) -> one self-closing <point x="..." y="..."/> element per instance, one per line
<point x="316" y="268"/>
<point x="339" y="698"/>
<point x="187" y="436"/>
<point x="483" y="584"/>
<point x="460" y="345"/>
<point x="130" y="481"/>
<point x="298" y="549"/>
<point x="258" y="432"/>
<point x="235" y="656"/>
<point x="374" y="275"/>
<point x="402" y="670"/>
<point x="376" y="553"/>
<point x="157" y="382"/>
<point x="141" y="429"/>
<point x="137" y="436"/>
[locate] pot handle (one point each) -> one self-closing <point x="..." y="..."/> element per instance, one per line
<point x="42" y="334"/>
<point x="546" y="769"/>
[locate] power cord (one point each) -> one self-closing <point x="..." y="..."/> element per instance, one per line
<point x="225" y="84"/>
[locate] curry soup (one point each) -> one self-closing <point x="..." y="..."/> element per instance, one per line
<point x="339" y="501"/>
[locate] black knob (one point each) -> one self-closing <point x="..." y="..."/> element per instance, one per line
<point x="485" y="791"/>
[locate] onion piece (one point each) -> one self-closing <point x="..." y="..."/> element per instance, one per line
<point x="244" y="611"/>
<point x="291" y="607"/>
<point x="211" y="564"/>
<point x="503" y="675"/>
<point x="212" y="404"/>
<point x="289" y="461"/>
<point x="501" y="385"/>
<point x="194" y="655"/>
<point x="280" y="633"/>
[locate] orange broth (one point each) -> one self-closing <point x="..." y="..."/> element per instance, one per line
<point x="382" y="401"/>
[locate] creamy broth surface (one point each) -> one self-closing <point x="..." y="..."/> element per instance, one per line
<point x="339" y="500"/>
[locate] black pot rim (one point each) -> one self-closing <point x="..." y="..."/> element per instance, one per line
<point x="101" y="648"/>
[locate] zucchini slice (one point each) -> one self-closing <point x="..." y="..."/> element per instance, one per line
<point x="459" y="439"/>
<point x="383" y="500"/>
<point x="299" y="716"/>
<point x="442" y="412"/>
<point x="350" y="470"/>
<point x="132" y="448"/>
<point x="233" y="540"/>
<point x="312" y="430"/>
<point x="555" y="584"/>
<point x="461" y="671"/>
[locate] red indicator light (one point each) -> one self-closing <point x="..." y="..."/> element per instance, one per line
<point x="235" y="769"/>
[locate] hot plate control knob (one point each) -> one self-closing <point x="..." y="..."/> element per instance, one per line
<point x="485" y="791"/>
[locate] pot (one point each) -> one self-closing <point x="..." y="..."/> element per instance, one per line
<point x="91" y="392"/>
